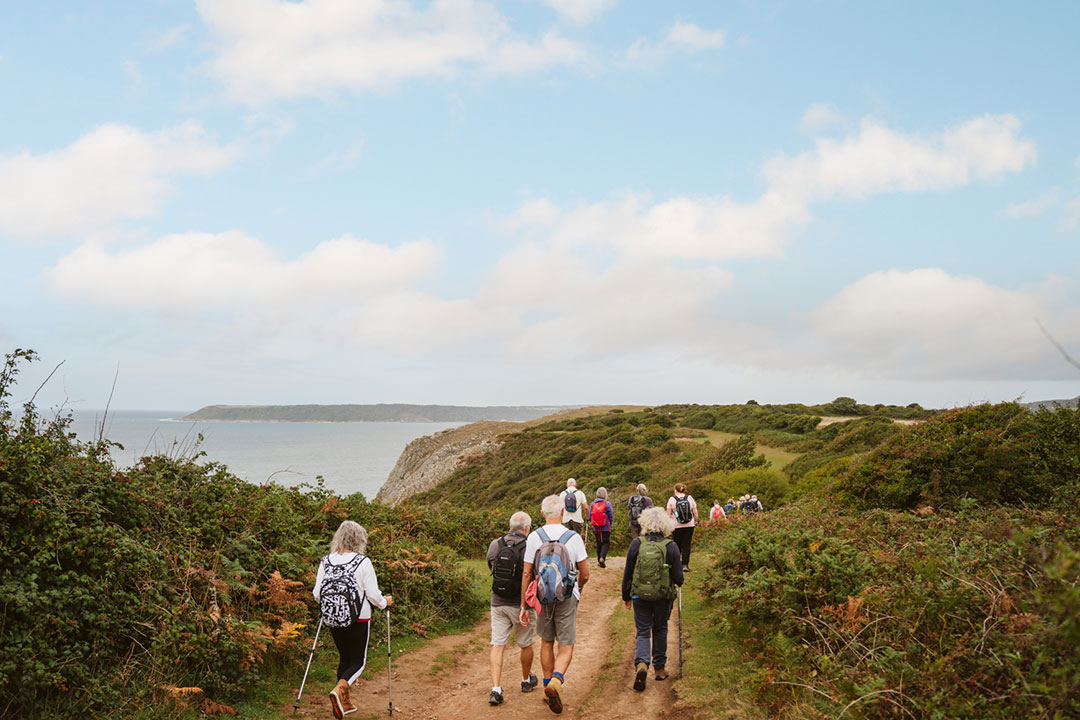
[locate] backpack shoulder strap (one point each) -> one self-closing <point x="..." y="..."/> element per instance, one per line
<point x="565" y="537"/>
<point x="543" y="535"/>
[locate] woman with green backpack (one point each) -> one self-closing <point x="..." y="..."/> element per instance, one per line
<point x="652" y="572"/>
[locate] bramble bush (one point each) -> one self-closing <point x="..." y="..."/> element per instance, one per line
<point x="117" y="581"/>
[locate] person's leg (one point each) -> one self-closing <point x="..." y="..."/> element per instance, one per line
<point x="501" y="624"/>
<point x="605" y="543"/>
<point x="661" y="615"/>
<point x="357" y="640"/>
<point x="565" y="615"/>
<point x="635" y="531"/>
<point x="526" y="662"/>
<point x="678" y="536"/>
<point x="689" y="542"/>
<point x="547" y="658"/>
<point x="524" y="637"/>
<point x="342" y="644"/>
<point x="643" y="623"/>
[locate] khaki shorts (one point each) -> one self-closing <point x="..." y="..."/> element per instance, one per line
<point x="559" y="622"/>
<point x="505" y="617"/>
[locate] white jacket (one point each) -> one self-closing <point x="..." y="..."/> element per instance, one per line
<point x="365" y="580"/>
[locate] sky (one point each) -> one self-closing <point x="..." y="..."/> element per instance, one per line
<point x="540" y="201"/>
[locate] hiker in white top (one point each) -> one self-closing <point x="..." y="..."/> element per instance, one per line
<point x="347" y="550"/>
<point x="558" y="619"/>
<point x="682" y="508"/>
<point x="573" y="519"/>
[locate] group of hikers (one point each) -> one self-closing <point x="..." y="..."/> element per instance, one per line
<point x="746" y="504"/>
<point x="538" y="576"/>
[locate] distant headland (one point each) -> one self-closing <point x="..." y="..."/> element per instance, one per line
<point x="371" y="413"/>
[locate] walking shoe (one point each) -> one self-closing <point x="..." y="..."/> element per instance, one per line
<point x="661" y="674"/>
<point x="347" y="708"/>
<point x="600" y="562"/>
<point x="686" y="568"/>
<point x="639" y="677"/>
<point x="551" y="694"/>
<point x="495" y="698"/>
<point x="528" y="686"/>
<point x="335" y="701"/>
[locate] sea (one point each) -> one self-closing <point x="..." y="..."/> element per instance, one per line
<point x="351" y="457"/>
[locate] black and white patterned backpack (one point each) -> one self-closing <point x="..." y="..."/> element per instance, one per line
<point x="340" y="599"/>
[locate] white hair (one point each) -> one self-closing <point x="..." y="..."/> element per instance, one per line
<point x="641" y="489"/>
<point x="520" y="522"/>
<point x="656" y="520"/>
<point x="570" y="482"/>
<point x="552" y="506"/>
<point x="350" y="537"/>
<point x="601" y="493"/>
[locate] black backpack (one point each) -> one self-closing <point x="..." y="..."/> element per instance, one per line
<point x="506" y="568"/>
<point x="683" y="512"/>
<point x="637" y="504"/>
<point x="570" y="501"/>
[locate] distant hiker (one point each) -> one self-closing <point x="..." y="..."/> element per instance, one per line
<point x="346" y="588"/>
<point x="600" y="517"/>
<point x="557" y="556"/>
<point x="756" y="504"/>
<point x="744" y="504"/>
<point x="682" y="508"/>
<point x="637" y="504"/>
<point x="505" y="559"/>
<point x="717" y="511"/>
<point x="653" y="569"/>
<point x="574" y="502"/>
<point x="730" y="506"/>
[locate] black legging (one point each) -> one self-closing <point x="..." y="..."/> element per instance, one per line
<point x="682" y="537"/>
<point x="603" y="541"/>
<point x="352" y="644"/>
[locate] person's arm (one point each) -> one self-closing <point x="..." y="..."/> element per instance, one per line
<point x="583" y="574"/>
<point x="318" y="582"/>
<point x="674" y="561"/>
<point x="671" y="506"/>
<point x="628" y="569"/>
<point x="693" y="505"/>
<point x="365" y="576"/>
<point x="610" y="515"/>
<point x="526" y="578"/>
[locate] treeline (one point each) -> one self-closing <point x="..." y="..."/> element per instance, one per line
<point x="117" y="582"/>
<point x="368" y="413"/>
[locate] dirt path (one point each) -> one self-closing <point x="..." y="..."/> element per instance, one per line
<point x="450" y="679"/>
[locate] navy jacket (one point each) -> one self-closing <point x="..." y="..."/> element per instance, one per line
<point x="674" y="559"/>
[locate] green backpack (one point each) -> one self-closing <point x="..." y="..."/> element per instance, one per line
<point x="652" y="574"/>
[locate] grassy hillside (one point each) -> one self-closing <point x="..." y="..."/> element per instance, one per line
<point x="367" y="413"/>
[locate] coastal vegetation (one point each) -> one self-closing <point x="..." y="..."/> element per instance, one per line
<point x="902" y="570"/>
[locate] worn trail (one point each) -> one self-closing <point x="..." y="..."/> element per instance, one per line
<point x="449" y="679"/>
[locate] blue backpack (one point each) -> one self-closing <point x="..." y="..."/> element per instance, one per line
<point x="556" y="573"/>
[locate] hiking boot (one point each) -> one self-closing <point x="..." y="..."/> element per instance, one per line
<point x="495" y="698"/>
<point x="347" y="708"/>
<point x="335" y="700"/>
<point x="686" y="568"/>
<point x="600" y="562"/>
<point x="639" y="677"/>
<point x="532" y="683"/>
<point x="661" y="674"/>
<point x="552" y="696"/>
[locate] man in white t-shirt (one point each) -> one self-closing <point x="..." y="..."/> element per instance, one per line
<point x="572" y="497"/>
<point x="557" y="622"/>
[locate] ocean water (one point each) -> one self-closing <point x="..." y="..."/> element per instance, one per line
<point x="351" y="457"/>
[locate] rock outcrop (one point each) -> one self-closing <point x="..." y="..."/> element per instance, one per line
<point x="429" y="460"/>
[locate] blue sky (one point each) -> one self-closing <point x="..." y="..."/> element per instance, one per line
<point x="540" y="201"/>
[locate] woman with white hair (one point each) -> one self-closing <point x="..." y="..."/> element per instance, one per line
<point x="653" y="570"/>
<point x="346" y="588"/>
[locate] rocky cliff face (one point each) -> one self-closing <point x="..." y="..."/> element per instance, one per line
<point x="429" y="460"/>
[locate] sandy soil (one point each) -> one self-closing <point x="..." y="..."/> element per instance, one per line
<point x="598" y="683"/>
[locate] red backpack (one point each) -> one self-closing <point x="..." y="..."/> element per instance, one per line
<point x="598" y="513"/>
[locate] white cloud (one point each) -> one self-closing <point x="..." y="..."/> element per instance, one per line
<point x="1034" y="208"/>
<point x="193" y="272"/>
<point x="580" y="11"/>
<point x="879" y="160"/>
<point x="169" y="39"/>
<point x="1071" y="219"/>
<point x="681" y="36"/>
<point x="928" y="323"/>
<point x="692" y="37"/>
<point x="819" y="117"/>
<point x="112" y="173"/>
<point x="271" y="49"/>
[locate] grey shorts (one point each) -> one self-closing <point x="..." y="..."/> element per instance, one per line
<point x="559" y="622"/>
<point x="505" y="617"/>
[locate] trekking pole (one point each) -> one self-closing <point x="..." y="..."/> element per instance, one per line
<point x="389" y="676"/>
<point x="296" y="705"/>
<point x="680" y="632"/>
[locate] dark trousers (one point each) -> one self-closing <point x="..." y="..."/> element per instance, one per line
<point x="635" y="530"/>
<point x="575" y="526"/>
<point x="682" y="537"/>
<point x="352" y="645"/>
<point x="651" y="620"/>
<point x="603" y="541"/>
